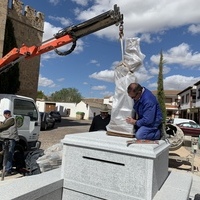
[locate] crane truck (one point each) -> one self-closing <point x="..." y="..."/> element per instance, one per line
<point x="24" y="108"/>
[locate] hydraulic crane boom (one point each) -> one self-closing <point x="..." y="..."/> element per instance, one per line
<point x="63" y="37"/>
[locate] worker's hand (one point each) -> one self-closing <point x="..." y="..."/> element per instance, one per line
<point x="130" y="120"/>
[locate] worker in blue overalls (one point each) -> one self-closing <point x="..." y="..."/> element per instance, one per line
<point x="149" y="116"/>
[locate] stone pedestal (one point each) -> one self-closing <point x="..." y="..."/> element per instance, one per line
<point x="98" y="166"/>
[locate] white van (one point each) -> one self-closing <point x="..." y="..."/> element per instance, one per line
<point x="27" y="118"/>
<point x="179" y="120"/>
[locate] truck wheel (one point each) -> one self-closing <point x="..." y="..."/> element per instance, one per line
<point x="20" y="148"/>
<point x="18" y="157"/>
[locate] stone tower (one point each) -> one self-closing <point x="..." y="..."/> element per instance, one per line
<point x="28" y="29"/>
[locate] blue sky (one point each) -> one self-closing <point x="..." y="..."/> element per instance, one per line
<point x="170" y="26"/>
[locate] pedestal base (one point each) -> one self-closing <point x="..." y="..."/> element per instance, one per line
<point x="98" y="166"/>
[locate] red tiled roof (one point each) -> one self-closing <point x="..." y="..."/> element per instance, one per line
<point x="168" y="92"/>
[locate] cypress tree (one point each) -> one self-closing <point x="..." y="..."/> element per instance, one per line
<point x="160" y="89"/>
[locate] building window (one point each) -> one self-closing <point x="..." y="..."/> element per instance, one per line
<point x="187" y="98"/>
<point x="198" y="97"/>
<point x="194" y="99"/>
<point x="182" y="100"/>
<point x="168" y="100"/>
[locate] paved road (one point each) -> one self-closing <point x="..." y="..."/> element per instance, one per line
<point x="67" y="126"/>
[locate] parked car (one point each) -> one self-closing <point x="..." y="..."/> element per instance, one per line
<point x="46" y="121"/>
<point x="190" y="128"/>
<point x="179" y="120"/>
<point x="56" y="115"/>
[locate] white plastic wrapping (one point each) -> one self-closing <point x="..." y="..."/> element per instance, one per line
<point x="122" y="106"/>
<point x="51" y="159"/>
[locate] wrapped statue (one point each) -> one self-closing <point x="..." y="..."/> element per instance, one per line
<point x="124" y="75"/>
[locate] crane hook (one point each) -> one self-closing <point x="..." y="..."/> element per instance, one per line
<point x="121" y="30"/>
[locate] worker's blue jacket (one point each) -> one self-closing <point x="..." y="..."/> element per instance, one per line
<point x="149" y="116"/>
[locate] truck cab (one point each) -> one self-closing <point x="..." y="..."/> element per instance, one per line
<point x="27" y="118"/>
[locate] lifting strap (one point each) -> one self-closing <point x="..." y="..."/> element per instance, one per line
<point x="121" y="35"/>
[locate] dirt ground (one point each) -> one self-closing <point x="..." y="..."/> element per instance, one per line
<point x="185" y="159"/>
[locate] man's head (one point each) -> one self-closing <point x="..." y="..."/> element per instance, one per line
<point x="7" y="113"/>
<point x="104" y="110"/>
<point x="134" y="90"/>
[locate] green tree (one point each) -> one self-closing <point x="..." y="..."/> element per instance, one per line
<point x="160" y="89"/>
<point x="70" y="95"/>
<point x="41" y="95"/>
<point x="9" y="80"/>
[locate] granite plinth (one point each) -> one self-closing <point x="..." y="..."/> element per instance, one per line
<point x="98" y="166"/>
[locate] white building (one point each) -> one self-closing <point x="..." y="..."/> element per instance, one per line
<point x="90" y="107"/>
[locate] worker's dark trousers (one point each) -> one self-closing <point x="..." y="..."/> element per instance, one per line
<point x="10" y="155"/>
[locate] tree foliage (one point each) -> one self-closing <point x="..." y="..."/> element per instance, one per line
<point x="69" y="95"/>
<point x="9" y="80"/>
<point x="160" y="89"/>
<point x="41" y="95"/>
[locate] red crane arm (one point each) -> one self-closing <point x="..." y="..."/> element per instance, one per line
<point x="65" y="36"/>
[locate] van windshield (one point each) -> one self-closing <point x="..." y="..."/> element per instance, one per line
<point x="25" y="108"/>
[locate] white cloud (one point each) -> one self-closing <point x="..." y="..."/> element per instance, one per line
<point x="147" y="38"/>
<point x="145" y="18"/>
<point x="62" y="20"/>
<point x="194" y="29"/>
<point x="140" y="19"/>
<point x="54" y="2"/>
<point x="176" y="82"/>
<point x="106" y="75"/>
<point x="142" y="75"/>
<point x="49" y="31"/>
<point x="181" y="54"/>
<point x="95" y="62"/>
<point x="99" y="87"/>
<point x="114" y="65"/>
<point x="60" y="79"/>
<point x="155" y="70"/>
<point x="45" y="82"/>
<point x="48" y="55"/>
<point x="81" y="2"/>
